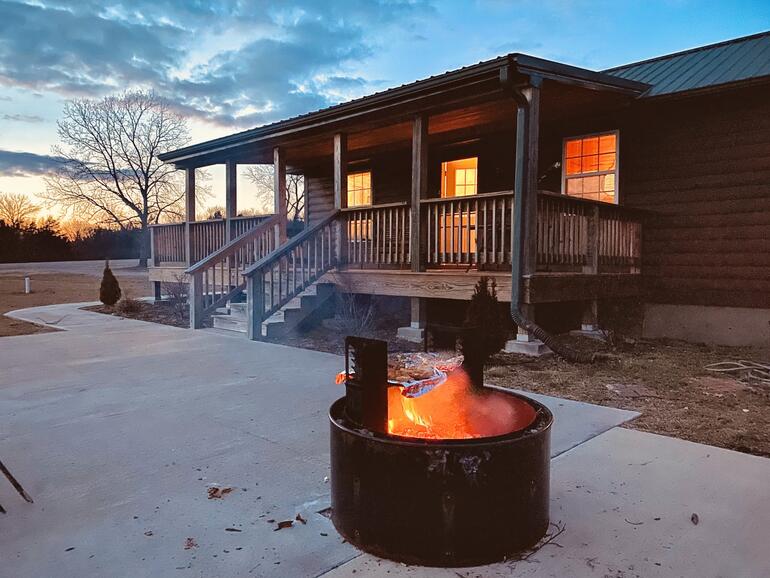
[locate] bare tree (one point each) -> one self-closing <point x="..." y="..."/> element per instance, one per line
<point x="16" y="209"/>
<point x="109" y="172"/>
<point x="262" y="177"/>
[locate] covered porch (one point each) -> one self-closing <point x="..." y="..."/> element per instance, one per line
<point x="380" y="217"/>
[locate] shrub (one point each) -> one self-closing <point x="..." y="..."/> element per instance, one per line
<point x="484" y="315"/>
<point x="127" y="305"/>
<point x="109" y="292"/>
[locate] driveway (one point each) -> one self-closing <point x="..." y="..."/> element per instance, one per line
<point x="118" y="428"/>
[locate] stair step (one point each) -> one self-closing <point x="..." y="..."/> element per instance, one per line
<point x="229" y="322"/>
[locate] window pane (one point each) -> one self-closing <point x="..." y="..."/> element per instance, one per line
<point x="574" y="186"/>
<point x="608" y="183"/>
<point x="574" y="148"/>
<point x="607" y="162"/>
<point x="591" y="185"/>
<point x="607" y="143"/>
<point x="591" y="164"/>
<point x="591" y="145"/>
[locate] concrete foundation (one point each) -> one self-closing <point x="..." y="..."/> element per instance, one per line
<point x="413" y="334"/>
<point x="531" y="347"/>
<point x="734" y="326"/>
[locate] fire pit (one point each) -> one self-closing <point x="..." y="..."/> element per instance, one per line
<point x="458" y="476"/>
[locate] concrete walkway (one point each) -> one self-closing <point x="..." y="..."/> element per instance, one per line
<point x="118" y="428"/>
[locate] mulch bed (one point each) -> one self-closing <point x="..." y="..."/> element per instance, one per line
<point x="162" y="312"/>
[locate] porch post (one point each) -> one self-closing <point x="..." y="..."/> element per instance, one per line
<point x="189" y="211"/>
<point x="279" y="191"/>
<point x="418" y="236"/>
<point x="524" y="258"/>
<point x="341" y="193"/>
<point x="231" y="197"/>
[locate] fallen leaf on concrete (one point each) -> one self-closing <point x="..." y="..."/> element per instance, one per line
<point x="233" y="530"/>
<point x="299" y="518"/>
<point x="190" y="543"/>
<point x="148" y="533"/>
<point x="695" y="519"/>
<point x="218" y="493"/>
<point x="284" y="524"/>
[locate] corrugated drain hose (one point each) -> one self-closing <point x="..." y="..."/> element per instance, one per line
<point x="554" y="344"/>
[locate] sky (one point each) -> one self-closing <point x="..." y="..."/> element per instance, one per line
<point x="229" y="65"/>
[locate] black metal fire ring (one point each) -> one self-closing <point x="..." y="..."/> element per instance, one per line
<point x="460" y="502"/>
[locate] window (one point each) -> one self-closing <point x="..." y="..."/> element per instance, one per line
<point x="458" y="178"/>
<point x="590" y="167"/>
<point x="359" y="189"/>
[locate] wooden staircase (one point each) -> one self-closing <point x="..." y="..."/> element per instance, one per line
<point x="234" y="316"/>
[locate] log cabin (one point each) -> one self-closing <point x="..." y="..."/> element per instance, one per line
<point x="645" y="184"/>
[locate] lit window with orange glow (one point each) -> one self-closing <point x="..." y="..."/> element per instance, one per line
<point x="590" y="167"/>
<point x="360" y="189"/>
<point x="459" y="178"/>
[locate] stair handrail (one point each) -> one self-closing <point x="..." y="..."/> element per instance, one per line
<point x="218" y="277"/>
<point x="300" y="247"/>
<point x="233" y="245"/>
<point x="291" y="244"/>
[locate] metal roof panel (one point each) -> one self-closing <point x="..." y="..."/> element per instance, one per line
<point x="726" y="62"/>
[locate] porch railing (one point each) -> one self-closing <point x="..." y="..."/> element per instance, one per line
<point x="474" y="230"/>
<point x="377" y="236"/>
<point x="168" y="243"/>
<point x="206" y="237"/>
<point x="574" y="232"/>
<point x="283" y="274"/>
<point x="220" y="276"/>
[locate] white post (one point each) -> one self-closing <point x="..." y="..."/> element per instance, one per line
<point x="27" y="285"/>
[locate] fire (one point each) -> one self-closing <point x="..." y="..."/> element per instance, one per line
<point x="454" y="411"/>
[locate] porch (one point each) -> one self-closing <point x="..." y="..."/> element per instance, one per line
<point x="383" y="218"/>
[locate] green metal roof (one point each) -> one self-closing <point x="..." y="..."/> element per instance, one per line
<point x="739" y="60"/>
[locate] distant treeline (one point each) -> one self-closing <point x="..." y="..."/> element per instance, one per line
<point x="44" y="241"/>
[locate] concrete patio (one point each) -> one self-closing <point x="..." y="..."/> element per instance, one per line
<point x="118" y="428"/>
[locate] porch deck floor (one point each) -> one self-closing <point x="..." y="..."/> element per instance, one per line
<point x="117" y="428"/>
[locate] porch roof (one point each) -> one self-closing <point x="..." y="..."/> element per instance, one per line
<point x="472" y="79"/>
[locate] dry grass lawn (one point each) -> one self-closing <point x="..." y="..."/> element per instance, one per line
<point x="52" y="288"/>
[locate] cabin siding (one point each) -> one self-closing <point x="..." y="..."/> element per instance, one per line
<point x="701" y="165"/>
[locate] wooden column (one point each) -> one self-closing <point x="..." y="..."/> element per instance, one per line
<point x="279" y="191"/>
<point x="524" y="217"/>
<point x="189" y="211"/>
<point x="231" y="197"/>
<point x="590" y="318"/>
<point x="340" y="193"/>
<point x="418" y="235"/>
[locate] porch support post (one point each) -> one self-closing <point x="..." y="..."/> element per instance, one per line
<point x="418" y="237"/>
<point x="524" y="217"/>
<point x="590" y="320"/>
<point x="418" y="231"/>
<point x="231" y="197"/>
<point x="341" y="193"/>
<point x="189" y="211"/>
<point x="279" y="191"/>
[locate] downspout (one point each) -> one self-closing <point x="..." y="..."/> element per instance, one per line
<point x="517" y="236"/>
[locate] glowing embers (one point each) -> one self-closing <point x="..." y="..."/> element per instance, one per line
<point x="455" y="410"/>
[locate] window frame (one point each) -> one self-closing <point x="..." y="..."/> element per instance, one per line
<point x="442" y="186"/>
<point x="371" y="187"/>
<point x="615" y="171"/>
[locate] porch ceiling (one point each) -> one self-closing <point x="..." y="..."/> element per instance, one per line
<point x="470" y="99"/>
<point x="495" y="113"/>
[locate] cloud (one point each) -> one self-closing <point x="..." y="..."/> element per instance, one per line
<point x="24" y="164"/>
<point x="33" y="118"/>
<point x="225" y="61"/>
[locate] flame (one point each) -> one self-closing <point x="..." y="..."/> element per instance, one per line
<point x="454" y="411"/>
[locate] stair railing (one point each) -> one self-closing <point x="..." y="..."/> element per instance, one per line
<point x="218" y="277"/>
<point x="283" y="274"/>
